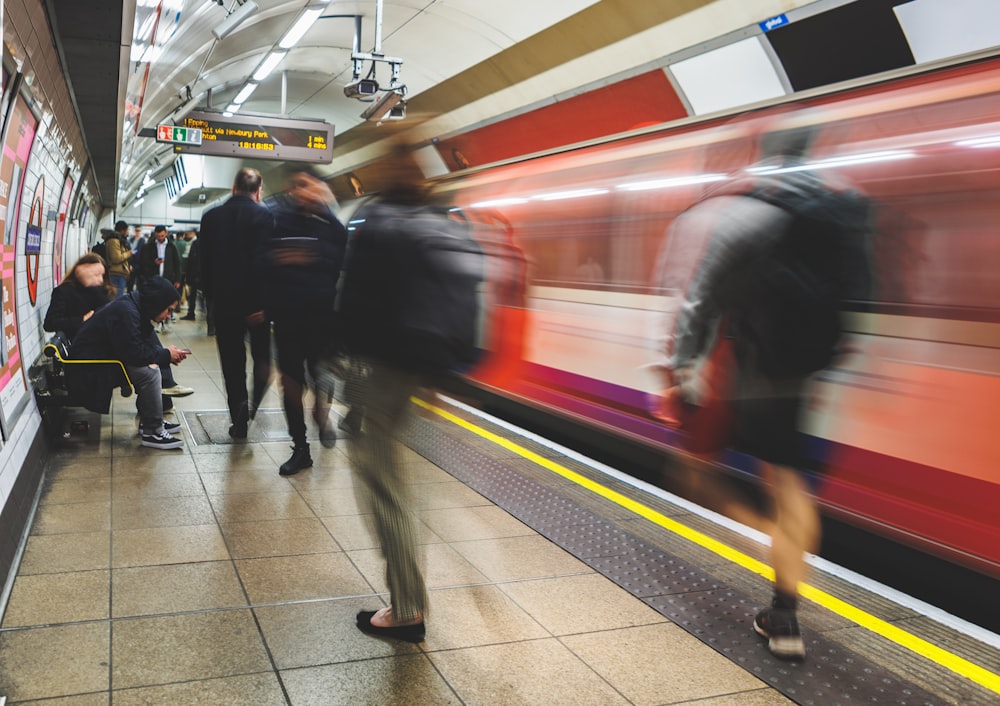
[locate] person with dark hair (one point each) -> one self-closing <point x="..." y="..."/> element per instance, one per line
<point x="300" y="266"/>
<point x="85" y="289"/>
<point x="192" y="274"/>
<point x="160" y="257"/>
<point x="782" y="247"/>
<point x="231" y="239"/>
<point x="123" y="330"/>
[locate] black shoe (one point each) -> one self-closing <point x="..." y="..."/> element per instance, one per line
<point x="781" y="628"/>
<point x="238" y="431"/>
<point x="161" y="441"/>
<point x="351" y="422"/>
<point x="300" y="459"/>
<point x="408" y="633"/>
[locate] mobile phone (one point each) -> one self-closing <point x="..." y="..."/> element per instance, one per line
<point x="185" y="350"/>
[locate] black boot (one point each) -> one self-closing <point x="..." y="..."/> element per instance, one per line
<point x="300" y="459"/>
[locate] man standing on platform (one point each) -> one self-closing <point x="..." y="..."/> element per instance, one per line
<point x="231" y="236"/>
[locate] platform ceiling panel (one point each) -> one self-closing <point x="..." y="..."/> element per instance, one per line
<point x="937" y="30"/>
<point x="737" y="74"/>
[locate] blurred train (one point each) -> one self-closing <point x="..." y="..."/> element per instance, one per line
<point x="909" y="421"/>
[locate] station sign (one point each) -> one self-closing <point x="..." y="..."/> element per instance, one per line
<point x="260" y="137"/>
<point x="179" y="135"/>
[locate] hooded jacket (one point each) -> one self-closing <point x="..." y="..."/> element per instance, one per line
<point x="123" y="331"/>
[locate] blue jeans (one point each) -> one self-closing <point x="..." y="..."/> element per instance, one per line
<point x="119" y="282"/>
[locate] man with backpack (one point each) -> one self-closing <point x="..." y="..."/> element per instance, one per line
<point x="786" y="245"/>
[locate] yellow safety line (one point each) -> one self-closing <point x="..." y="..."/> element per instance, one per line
<point x="963" y="667"/>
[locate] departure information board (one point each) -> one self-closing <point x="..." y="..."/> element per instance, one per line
<point x="261" y="137"/>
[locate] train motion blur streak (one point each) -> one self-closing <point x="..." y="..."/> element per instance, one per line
<point x="907" y="420"/>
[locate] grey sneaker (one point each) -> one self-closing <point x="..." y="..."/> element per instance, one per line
<point x="162" y="441"/>
<point x="781" y="628"/>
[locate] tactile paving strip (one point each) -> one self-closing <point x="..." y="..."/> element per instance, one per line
<point x="691" y="597"/>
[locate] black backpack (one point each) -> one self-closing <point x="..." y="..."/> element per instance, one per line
<point x="411" y="293"/>
<point x="100" y="249"/>
<point x="788" y="312"/>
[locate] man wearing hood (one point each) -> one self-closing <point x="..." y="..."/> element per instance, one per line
<point x="123" y="330"/>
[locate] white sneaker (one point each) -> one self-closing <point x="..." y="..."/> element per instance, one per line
<point x="168" y="427"/>
<point x="162" y="441"/>
<point x="177" y="391"/>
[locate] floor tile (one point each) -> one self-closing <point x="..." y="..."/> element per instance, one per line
<point x="148" y="465"/>
<point x="760" y="697"/>
<point x="430" y="496"/>
<point x="392" y="681"/>
<point x="278" y="538"/>
<point x="254" y="507"/>
<point x="442" y="566"/>
<point x="470" y="523"/>
<point x="102" y="698"/>
<point x="633" y="661"/>
<point x="59" y="553"/>
<point x="511" y="558"/>
<point x="323" y="632"/>
<point x="574" y="604"/>
<point x="240" y="458"/>
<point x="75" y="517"/>
<point x="151" y="590"/>
<point x="353" y="531"/>
<point x="77" y="469"/>
<point x="528" y="673"/>
<point x="144" y="512"/>
<point x="476" y="615"/>
<point x="28" y="658"/>
<point x="161" y="650"/>
<point x="328" y="502"/>
<point x="82" y="490"/>
<point x="155" y="485"/>
<point x="167" y="545"/>
<point x="305" y="577"/>
<point x="48" y="599"/>
<point x="256" y="689"/>
<point x="245" y="480"/>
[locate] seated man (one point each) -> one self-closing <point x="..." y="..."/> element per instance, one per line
<point x="123" y="330"/>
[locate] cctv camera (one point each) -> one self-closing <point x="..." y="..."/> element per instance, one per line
<point x="361" y="88"/>
<point x="397" y="112"/>
<point x="380" y="108"/>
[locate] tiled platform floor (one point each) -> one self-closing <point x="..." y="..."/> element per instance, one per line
<point x="200" y="576"/>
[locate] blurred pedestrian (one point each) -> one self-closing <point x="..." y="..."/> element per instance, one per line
<point x="783" y="244"/>
<point x="408" y="306"/>
<point x="301" y="263"/>
<point x="231" y="239"/>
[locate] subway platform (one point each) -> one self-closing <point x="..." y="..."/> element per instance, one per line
<point x="200" y="576"/>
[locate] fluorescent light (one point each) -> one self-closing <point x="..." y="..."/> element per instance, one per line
<point x="245" y="93"/>
<point x="575" y="194"/>
<point x="990" y="141"/>
<point x="232" y="108"/>
<point x="499" y="202"/>
<point x="671" y="182"/>
<point x="846" y="160"/>
<point x="303" y="24"/>
<point x="273" y="59"/>
<point x="228" y="113"/>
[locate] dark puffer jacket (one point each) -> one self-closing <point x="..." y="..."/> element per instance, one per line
<point x="123" y="331"/>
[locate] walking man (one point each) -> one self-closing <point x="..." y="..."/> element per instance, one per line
<point x="230" y="240"/>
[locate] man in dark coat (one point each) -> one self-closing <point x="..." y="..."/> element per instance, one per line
<point x="160" y="257"/>
<point x="301" y="264"/>
<point x="123" y="330"/>
<point x="231" y="237"/>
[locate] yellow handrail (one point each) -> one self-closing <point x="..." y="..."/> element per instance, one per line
<point x="75" y="361"/>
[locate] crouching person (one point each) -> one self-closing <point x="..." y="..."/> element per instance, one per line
<point x="123" y="330"/>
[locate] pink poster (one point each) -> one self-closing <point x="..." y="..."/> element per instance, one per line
<point x="61" y="218"/>
<point x="19" y="134"/>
